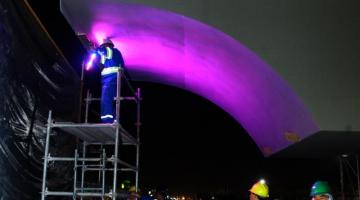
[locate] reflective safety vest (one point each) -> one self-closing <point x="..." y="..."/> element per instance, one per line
<point x="109" y="70"/>
<point x="107" y="55"/>
<point x="111" y="59"/>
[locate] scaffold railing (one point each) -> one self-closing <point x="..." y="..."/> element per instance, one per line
<point x="96" y="134"/>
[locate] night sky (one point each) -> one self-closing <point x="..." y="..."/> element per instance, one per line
<point x="189" y="144"/>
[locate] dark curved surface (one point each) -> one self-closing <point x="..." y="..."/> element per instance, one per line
<point x="34" y="78"/>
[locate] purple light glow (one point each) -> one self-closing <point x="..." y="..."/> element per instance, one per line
<point x="168" y="48"/>
<point x="91" y="61"/>
<point x="101" y="31"/>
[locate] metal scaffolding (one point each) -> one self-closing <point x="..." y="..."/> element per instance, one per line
<point x="101" y="135"/>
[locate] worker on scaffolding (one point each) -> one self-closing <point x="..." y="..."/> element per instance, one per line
<point x="259" y="191"/>
<point x="321" y="191"/>
<point x="111" y="61"/>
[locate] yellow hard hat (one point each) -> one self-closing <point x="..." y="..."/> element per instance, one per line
<point x="132" y="189"/>
<point x="261" y="189"/>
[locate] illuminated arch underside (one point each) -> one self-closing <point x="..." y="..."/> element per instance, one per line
<point x="168" y="48"/>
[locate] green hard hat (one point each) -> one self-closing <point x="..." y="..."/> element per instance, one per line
<point x="125" y="185"/>
<point x="320" y="187"/>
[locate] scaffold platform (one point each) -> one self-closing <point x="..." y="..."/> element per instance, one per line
<point x="96" y="133"/>
<point x="101" y="135"/>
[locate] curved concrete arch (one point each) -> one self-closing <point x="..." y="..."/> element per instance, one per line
<point x="168" y="48"/>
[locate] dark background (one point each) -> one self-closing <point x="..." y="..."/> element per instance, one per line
<point x="190" y="145"/>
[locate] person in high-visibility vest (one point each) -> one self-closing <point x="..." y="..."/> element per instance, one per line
<point x="111" y="60"/>
<point x="321" y="191"/>
<point x="259" y="191"/>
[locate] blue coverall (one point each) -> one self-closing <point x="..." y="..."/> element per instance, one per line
<point x="112" y="60"/>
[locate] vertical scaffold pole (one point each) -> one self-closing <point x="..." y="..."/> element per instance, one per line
<point x="99" y="173"/>
<point x="138" y="124"/>
<point x="103" y="173"/>
<point x="118" y="93"/>
<point x="83" y="168"/>
<point x="46" y="154"/>
<point x="81" y="91"/>
<point x="75" y="173"/>
<point x="87" y="103"/>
